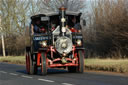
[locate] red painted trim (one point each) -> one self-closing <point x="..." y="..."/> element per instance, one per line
<point x="52" y="50"/>
<point x="55" y="60"/>
<point x="38" y="58"/>
<point x="74" y="62"/>
<point x="61" y="65"/>
<point x="58" y="59"/>
<point x="73" y="50"/>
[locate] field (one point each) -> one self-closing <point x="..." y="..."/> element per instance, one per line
<point x="112" y="65"/>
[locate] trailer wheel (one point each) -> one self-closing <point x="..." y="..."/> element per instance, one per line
<point x="44" y="64"/>
<point x="81" y="61"/>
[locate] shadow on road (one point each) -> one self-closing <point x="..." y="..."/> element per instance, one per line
<point x="50" y="71"/>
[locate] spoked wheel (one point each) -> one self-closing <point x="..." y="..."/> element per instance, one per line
<point x="81" y="61"/>
<point x="35" y="64"/>
<point x="43" y="64"/>
<point x="29" y="64"/>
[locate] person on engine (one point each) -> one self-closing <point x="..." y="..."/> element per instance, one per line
<point x="36" y="28"/>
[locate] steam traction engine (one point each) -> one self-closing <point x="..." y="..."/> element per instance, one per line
<point x="61" y="47"/>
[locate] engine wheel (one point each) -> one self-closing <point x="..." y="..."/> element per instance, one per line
<point x="44" y="64"/>
<point x="30" y="67"/>
<point x="27" y="63"/>
<point x="81" y="61"/>
<point x="35" y="65"/>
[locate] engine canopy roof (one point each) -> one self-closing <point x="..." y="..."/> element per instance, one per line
<point x="68" y="13"/>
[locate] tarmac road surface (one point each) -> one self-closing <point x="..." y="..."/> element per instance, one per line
<point x="11" y="74"/>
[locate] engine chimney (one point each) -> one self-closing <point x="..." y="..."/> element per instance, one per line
<point x="62" y="11"/>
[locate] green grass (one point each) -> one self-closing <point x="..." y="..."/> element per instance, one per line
<point x="112" y="65"/>
<point x="13" y="60"/>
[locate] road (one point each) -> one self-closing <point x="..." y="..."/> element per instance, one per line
<point x="11" y="74"/>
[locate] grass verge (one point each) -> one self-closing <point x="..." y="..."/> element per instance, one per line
<point x="13" y="60"/>
<point x="111" y="65"/>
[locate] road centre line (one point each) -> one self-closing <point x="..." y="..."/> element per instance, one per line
<point x="46" y="80"/>
<point x="67" y="84"/>
<point x="13" y="74"/>
<point x="26" y="76"/>
<point x="3" y="72"/>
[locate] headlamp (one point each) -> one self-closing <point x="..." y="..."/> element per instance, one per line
<point x="43" y="43"/>
<point x="79" y="42"/>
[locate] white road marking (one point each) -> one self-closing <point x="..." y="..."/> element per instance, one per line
<point x="13" y="74"/>
<point x="46" y="80"/>
<point x="3" y="72"/>
<point x="26" y="76"/>
<point x="67" y="84"/>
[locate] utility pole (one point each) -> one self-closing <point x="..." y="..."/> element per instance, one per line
<point x="2" y="38"/>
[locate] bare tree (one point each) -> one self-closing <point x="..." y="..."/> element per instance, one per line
<point x="53" y="5"/>
<point x="14" y="15"/>
<point x="110" y="26"/>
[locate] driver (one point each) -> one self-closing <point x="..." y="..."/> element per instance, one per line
<point x="74" y="25"/>
<point x="36" y="27"/>
<point x="77" y="25"/>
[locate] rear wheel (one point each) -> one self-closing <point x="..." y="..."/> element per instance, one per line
<point x="27" y="63"/>
<point x="81" y="61"/>
<point x="35" y="64"/>
<point x="43" y="64"/>
<point x="30" y="65"/>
